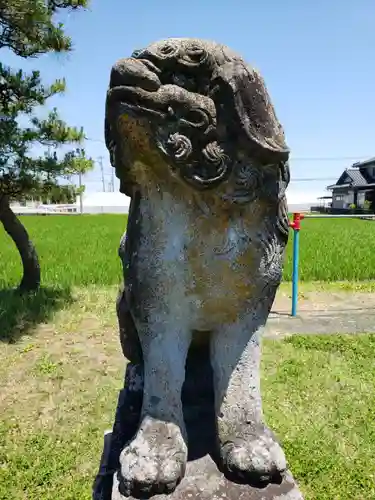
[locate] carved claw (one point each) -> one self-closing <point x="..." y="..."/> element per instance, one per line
<point x="154" y="462"/>
<point x="256" y="459"/>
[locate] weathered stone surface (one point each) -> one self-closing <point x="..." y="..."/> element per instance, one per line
<point x="196" y="144"/>
<point x="202" y="479"/>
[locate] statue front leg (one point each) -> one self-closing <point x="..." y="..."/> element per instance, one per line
<point x="154" y="461"/>
<point x="248" y="449"/>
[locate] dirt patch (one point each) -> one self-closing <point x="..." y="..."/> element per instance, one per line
<point x="323" y="313"/>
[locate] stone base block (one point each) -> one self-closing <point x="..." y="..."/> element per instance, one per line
<point x="204" y="481"/>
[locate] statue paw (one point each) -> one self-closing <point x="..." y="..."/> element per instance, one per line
<point x="258" y="458"/>
<point x="154" y="461"/>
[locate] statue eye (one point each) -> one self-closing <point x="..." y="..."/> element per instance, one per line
<point x="196" y="53"/>
<point x="168" y="49"/>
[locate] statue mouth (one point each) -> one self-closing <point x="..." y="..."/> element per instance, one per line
<point x="138" y="85"/>
<point x="128" y="100"/>
<point x="133" y="87"/>
<point x="183" y="121"/>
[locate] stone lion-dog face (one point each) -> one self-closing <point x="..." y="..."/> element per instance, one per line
<point x="197" y="146"/>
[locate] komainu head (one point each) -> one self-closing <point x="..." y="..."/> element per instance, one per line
<point x="192" y="109"/>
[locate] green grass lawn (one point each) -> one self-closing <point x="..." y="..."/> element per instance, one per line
<point x="83" y="250"/>
<point x="59" y="387"/>
<point x="61" y="364"/>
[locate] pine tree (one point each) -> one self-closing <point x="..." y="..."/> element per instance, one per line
<point x="28" y="28"/>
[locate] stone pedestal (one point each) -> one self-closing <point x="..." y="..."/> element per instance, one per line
<point x="202" y="480"/>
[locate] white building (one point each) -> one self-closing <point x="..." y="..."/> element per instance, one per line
<point x="103" y="203"/>
<point x="300" y="201"/>
<point x="118" y="203"/>
<point x="112" y="203"/>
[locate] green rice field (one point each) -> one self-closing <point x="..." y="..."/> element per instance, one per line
<point x="61" y="365"/>
<point x="82" y="250"/>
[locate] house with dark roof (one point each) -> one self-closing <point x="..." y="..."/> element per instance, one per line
<point x="355" y="188"/>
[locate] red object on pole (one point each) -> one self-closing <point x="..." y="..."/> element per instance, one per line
<point x="296" y="223"/>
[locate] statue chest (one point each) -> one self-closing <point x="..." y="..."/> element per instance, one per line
<point x="209" y="261"/>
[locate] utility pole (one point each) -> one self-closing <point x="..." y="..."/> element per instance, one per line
<point x="113" y="179"/>
<point x="80" y="193"/>
<point x="102" y="171"/>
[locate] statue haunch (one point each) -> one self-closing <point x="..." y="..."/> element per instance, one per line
<point x="197" y="146"/>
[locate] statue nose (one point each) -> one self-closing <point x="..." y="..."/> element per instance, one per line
<point x="134" y="73"/>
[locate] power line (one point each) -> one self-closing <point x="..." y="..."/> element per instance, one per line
<point x="331" y="158"/>
<point x="94" y="140"/>
<point x="101" y="177"/>
<point x="80" y="192"/>
<point x="102" y="170"/>
<point x="295" y="158"/>
<point x="313" y="179"/>
<point x="113" y="180"/>
<point x="99" y="180"/>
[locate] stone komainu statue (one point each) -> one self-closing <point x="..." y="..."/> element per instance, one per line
<point x="197" y="146"/>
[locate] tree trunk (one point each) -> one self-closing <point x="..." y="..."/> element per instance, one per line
<point x="13" y="226"/>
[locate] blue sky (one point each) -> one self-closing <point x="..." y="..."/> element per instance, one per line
<point x="317" y="59"/>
